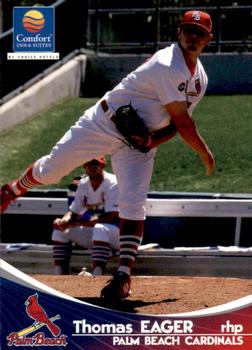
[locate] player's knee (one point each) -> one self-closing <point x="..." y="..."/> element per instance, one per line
<point x="45" y="172"/>
<point x="100" y="233"/>
<point x="59" y="236"/>
<point x="133" y="211"/>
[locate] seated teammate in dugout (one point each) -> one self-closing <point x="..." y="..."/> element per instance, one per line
<point x="92" y="219"/>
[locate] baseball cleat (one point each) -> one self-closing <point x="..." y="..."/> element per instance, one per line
<point x="7" y="196"/>
<point x="118" y="287"/>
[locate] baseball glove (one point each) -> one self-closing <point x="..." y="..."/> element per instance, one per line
<point x="132" y="127"/>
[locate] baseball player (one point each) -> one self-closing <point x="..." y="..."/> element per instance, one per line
<point x="163" y="92"/>
<point x="91" y="222"/>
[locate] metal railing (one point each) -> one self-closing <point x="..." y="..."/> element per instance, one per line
<point x="215" y="208"/>
<point x="160" y="23"/>
<point x="127" y="30"/>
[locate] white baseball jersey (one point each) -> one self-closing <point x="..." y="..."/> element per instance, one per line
<point x="162" y="79"/>
<point x="104" y="198"/>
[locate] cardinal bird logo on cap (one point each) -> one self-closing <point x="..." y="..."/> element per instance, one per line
<point x="196" y="15"/>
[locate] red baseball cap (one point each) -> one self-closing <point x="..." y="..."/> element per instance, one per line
<point x="101" y="160"/>
<point x="197" y="18"/>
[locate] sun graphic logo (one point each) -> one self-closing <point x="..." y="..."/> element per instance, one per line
<point x="33" y="21"/>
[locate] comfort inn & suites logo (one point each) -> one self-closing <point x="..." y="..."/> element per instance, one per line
<point x="33" y="33"/>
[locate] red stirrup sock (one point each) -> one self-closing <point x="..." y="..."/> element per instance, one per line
<point x="24" y="182"/>
<point x="10" y="192"/>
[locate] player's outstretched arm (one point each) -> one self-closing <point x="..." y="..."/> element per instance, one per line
<point x="187" y="129"/>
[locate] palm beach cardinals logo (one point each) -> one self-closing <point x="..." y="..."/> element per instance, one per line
<point x="38" y="314"/>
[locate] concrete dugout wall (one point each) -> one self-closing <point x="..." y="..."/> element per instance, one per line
<point x="91" y="75"/>
<point x="227" y="73"/>
<point x="62" y="83"/>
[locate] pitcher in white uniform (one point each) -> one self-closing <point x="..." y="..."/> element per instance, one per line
<point x="91" y="222"/>
<point x="165" y="89"/>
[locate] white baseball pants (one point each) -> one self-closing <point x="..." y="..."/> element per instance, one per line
<point x="95" y="135"/>
<point x="84" y="236"/>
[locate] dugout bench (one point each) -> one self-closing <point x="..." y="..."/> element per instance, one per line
<point x="203" y="261"/>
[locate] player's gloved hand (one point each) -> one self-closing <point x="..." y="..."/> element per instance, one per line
<point x="144" y="144"/>
<point x="135" y="133"/>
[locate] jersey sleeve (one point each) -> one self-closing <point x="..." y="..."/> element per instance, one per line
<point x="77" y="204"/>
<point x="111" y="198"/>
<point x="168" y="84"/>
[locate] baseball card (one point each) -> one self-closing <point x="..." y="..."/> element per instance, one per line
<point x="125" y="178"/>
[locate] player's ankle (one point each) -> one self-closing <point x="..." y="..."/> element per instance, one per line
<point x="97" y="271"/>
<point x="125" y="269"/>
<point x="17" y="189"/>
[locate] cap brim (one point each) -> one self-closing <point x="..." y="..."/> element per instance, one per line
<point x="190" y="24"/>
<point x="102" y="161"/>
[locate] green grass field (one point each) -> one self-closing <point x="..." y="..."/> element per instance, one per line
<point x="224" y="121"/>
